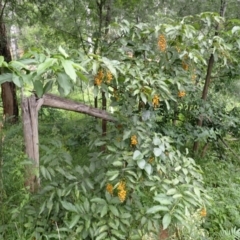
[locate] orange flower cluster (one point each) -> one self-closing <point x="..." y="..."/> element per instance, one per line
<point x="98" y="78"/>
<point x="162" y="43"/>
<point x="109" y="76"/>
<point x="122" y="192"/>
<point x="203" y="212"/>
<point x="185" y="66"/>
<point x="155" y="101"/>
<point x="134" y="140"/>
<point x="181" y="94"/>
<point x="109" y="188"/>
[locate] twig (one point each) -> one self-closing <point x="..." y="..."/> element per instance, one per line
<point x="17" y="230"/>
<point x="59" y="237"/>
<point x="226" y="145"/>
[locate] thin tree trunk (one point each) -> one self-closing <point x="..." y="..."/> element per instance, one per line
<point x="104" y="99"/>
<point x="208" y="75"/>
<point x="9" y="97"/>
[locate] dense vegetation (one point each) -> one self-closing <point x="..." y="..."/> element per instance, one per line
<point x="165" y="162"/>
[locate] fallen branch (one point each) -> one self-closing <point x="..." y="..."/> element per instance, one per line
<point x="54" y="101"/>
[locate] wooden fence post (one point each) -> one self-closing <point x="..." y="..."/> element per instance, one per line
<point x="30" y="107"/>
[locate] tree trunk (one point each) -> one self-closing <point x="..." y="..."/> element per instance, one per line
<point x="9" y="97"/>
<point x="208" y="75"/>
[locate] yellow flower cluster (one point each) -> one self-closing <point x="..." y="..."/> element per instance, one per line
<point x="162" y="43"/>
<point x="134" y="141"/>
<point x="178" y="49"/>
<point x="203" y="212"/>
<point x="155" y="101"/>
<point x="185" y="66"/>
<point x="98" y="78"/>
<point x="122" y="192"/>
<point x="109" y="76"/>
<point x="109" y="188"/>
<point x="181" y="94"/>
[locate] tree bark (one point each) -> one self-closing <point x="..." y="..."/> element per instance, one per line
<point x="9" y="97"/>
<point x="30" y="107"/>
<point x="50" y="100"/>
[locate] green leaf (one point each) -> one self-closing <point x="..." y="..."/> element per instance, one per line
<point x="45" y="65"/>
<point x="141" y="163"/>
<point x="125" y="215"/>
<point x="171" y="191"/>
<point x="117" y="163"/>
<point x="126" y="134"/>
<point x="5" y="77"/>
<point x="69" y="206"/>
<point x="98" y="200"/>
<point x="38" y="87"/>
<point x="235" y="28"/>
<point x="197" y="191"/>
<point x="113" y="177"/>
<point x="74" y="221"/>
<point x="137" y="155"/>
<point x="156" y="140"/>
<point x="69" y="69"/>
<point x="48" y="86"/>
<point x="16" y="80"/>
<point x="163" y="200"/>
<point x="148" y="168"/>
<point x="63" y="52"/>
<point x="109" y="65"/>
<point x="95" y="67"/>
<point x="86" y="205"/>
<point x="177" y="168"/>
<point x="114" y="210"/>
<point x="157" y="208"/>
<point x="42" y="208"/>
<point x="64" y="82"/>
<point x="102" y="236"/>
<point x="166" y="221"/>
<point x="143" y="97"/>
<point x="157" y="151"/>
<point x="82" y="77"/>
<point x="16" y="65"/>
<point x="104" y="211"/>
<point x="103" y="229"/>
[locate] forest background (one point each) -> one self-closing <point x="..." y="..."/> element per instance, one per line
<point x="154" y="151"/>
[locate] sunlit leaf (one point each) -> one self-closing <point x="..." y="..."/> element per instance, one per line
<point x="166" y="220"/>
<point x="69" y="69"/>
<point x="38" y="87"/>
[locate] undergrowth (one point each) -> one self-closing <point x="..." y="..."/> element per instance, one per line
<point x="221" y="178"/>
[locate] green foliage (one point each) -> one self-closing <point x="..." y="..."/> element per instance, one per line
<point x="223" y="186"/>
<point x="139" y="175"/>
<point x="231" y="234"/>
